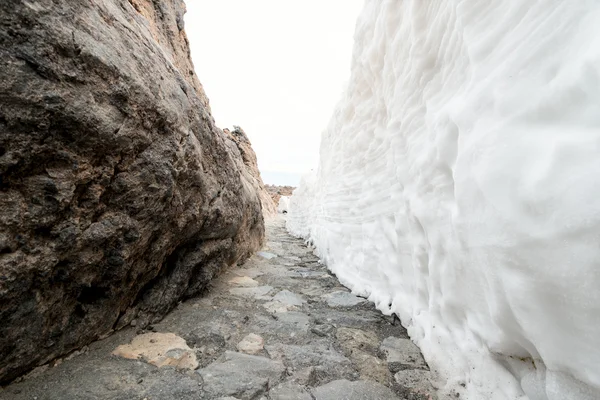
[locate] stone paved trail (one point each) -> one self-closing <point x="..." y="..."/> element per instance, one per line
<point x="280" y="327"/>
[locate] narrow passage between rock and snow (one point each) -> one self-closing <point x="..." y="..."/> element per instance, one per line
<point x="279" y="327"/>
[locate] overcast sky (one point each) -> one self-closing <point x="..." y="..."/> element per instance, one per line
<point x="276" y="68"/>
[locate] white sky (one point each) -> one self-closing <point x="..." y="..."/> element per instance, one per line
<point x="276" y="68"/>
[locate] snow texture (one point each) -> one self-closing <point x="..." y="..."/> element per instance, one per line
<point x="458" y="187"/>
<point x="284" y="204"/>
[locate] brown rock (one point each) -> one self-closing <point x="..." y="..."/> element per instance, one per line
<point x="118" y="194"/>
<point x="159" y="349"/>
<point x="251" y="344"/>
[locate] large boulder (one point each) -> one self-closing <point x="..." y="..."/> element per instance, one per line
<point x="249" y="158"/>
<point x="118" y="194"/>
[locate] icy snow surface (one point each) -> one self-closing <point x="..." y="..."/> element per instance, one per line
<point x="459" y="186"/>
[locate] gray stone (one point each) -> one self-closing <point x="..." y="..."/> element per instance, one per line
<point x="416" y="381"/>
<point x="284" y="301"/>
<point x="308" y="273"/>
<point x="288" y="298"/>
<point x="342" y="299"/>
<point x="328" y="363"/>
<point x="323" y="330"/>
<point x="402" y="354"/>
<point x="358" y="390"/>
<point x="370" y="368"/>
<point x="257" y="292"/>
<point x="305" y="376"/>
<point x="241" y="375"/>
<point x="357" y="339"/>
<point x="289" y="391"/>
<point x="282" y="325"/>
<point x="295" y="322"/>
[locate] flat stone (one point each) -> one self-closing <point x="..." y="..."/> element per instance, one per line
<point x="257" y="292"/>
<point x="417" y="381"/>
<point x="266" y="255"/>
<point x="358" y="390"/>
<point x="289" y="298"/>
<point x="342" y="299"/>
<point x="289" y="391"/>
<point x="243" y="281"/>
<point x="251" y="344"/>
<point x="414" y="378"/>
<point x="357" y="339"/>
<point x="370" y="368"/>
<point x="402" y="354"/>
<point x="327" y="361"/>
<point x="159" y="349"/>
<point x="241" y="375"/>
<point x="284" y="301"/>
<point x="309" y="273"/>
<point x="305" y="376"/>
<point x="359" y="319"/>
<point x="285" y="324"/>
<point x="295" y="322"/>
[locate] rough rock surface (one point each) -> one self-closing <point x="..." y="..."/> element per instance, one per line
<point x="249" y="157"/>
<point x="311" y="351"/>
<point x="118" y="194"/>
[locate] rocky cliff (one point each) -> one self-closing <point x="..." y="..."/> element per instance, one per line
<point x="251" y="167"/>
<point x="118" y="194"/>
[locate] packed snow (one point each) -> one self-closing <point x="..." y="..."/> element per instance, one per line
<point x="459" y="187"/>
<point x="284" y="204"/>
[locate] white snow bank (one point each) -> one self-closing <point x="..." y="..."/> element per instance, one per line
<point x="459" y="187"/>
<point x="284" y="204"/>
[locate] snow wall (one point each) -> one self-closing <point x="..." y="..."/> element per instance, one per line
<point x="459" y="187"/>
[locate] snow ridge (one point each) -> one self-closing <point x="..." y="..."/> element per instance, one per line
<point x="458" y="187"/>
